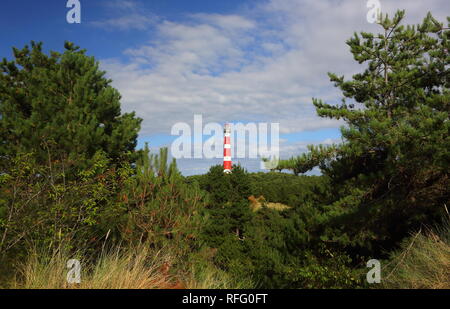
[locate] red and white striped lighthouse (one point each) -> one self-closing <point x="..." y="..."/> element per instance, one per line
<point x="227" y="149"/>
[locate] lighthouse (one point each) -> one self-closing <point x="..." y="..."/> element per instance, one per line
<point x="227" y="149"/>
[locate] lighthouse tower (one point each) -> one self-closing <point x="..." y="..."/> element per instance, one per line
<point x="227" y="149"/>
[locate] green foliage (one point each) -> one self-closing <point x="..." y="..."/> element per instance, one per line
<point x="40" y="205"/>
<point x="228" y="209"/>
<point x="161" y="206"/>
<point x="289" y="189"/>
<point x="71" y="180"/>
<point x="274" y="249"/>
<point x="65" y="100"/>
<point x="102" y="206"/>
<point x="286" y="251"/>
<point x="390" y="175"/>
<point x="224" y="187"/>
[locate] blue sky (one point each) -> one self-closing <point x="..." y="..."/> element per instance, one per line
<point x="230" y="61"/>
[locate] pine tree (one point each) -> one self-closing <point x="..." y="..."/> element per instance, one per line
<point x="229" y="209"/>
<point x="160" y="205"/>
<point x="61" y="104"/>
<point x="390" y="175"/>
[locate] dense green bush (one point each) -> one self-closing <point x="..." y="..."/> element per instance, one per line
<point x="161" y="208"/>
<point x="149" y="203"/>
<point x="273" y="248"/>
<point x="39" y="205"/>
<point x="227" y="212"/>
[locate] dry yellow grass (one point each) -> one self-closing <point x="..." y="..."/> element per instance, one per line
<point x="277" y="206"/>
<point x="137" y="268"/>
<point x="424" y="263"/>
<point x="257" y="203"/>
<point x="127" y="268"/>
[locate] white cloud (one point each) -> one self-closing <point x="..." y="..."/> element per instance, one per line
<point x="126" y="15"/>
<point x="226" y="22"/>
<point x="263" y="64"/>
<point x="128" y="22"/>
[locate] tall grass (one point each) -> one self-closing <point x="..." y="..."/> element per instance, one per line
<point x="131" y="268"/>
<point x="119" y="268"/>
<point x="209" y="277"/>
<point x="422" y="263"/>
